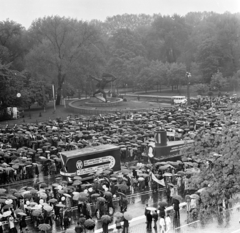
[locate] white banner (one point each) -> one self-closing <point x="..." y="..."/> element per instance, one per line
<point x="161" y="182"/>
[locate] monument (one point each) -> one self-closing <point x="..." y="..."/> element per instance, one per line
<point x="101" y="84"/>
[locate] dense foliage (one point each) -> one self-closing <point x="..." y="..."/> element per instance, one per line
<point x="142" y="51"/>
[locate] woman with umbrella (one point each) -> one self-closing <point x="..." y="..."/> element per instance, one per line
<point x="161" y="208"/>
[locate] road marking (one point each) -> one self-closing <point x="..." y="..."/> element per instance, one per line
<point x="114" y="225"/>
<point x="186" y="225"/>
<point x="236" y="231"/>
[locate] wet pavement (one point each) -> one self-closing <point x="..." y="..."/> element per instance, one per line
<point x="136" y="207"/>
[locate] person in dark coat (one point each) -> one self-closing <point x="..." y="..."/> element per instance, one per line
<point x="78" y="228"/>
<point x="176" y="208"/>
<point x="125" y="225"/>
<point x="155" y="219"/>
<point x="22" y="224"/>
<point x="149" y="220"/>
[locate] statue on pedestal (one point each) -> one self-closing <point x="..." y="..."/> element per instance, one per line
<point x="101" y="84"/>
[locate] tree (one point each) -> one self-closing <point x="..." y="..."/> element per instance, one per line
<point x="176" y="74"/>
<point x="12" y="44"/>
<point x="126" y="21"/>
<point x="209" y="57"/>
<point x="159" y="72"/>
<point x="167" y="38"/>
<point x="60" y="46"/>
<point x="221" y="178"/>
<point x="11" y="83"/>
<point x="218" y="82"/>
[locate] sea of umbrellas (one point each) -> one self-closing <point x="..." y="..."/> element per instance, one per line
<point x="25" y="146"/>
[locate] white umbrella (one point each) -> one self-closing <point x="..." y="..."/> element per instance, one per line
<point x="66" y="195"/>
<point x="151" y="208"/>
<point x="7" y="213"/>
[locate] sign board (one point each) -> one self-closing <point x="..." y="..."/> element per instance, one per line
<point x="92" y="159"/>
<point x="172" y="149"/>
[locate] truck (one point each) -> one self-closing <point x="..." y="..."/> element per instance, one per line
<point x="87" y="161"/>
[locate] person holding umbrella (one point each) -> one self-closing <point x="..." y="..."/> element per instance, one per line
<point x="126" y="218"/>
<point x="78" y="228"/>
<point x="22" y="224"/>
<point x="118" y="224"/>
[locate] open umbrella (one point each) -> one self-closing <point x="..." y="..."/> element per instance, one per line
<point x="167" y="174"/>
<point x="127" y="216"/>
<point x="18" y="211"/>
<point x="101" y="199"/>
<point x="36" y="212"/>
<point x="60" y="205"/>
<point x="107" y="194"/>
<point x="43" y="195"/>
<point x="3" y="190"/>
<point x="95" y="195"/>
<point x="177" y="197"/>
<point x="66" y="195"/>
<point x="89" y="224"/>
<point x="53" y="200"/>
<point x="77" y="178"/>
<point x="122" y="187"/>
<point x="201" y="190"/>
<point x="12" y="190"/>
<point x="106" y="219"/>
<point x="76" y="197"/>
<point x="2" y="200"/>
<point x="77" y="182"/>
<point x="151" y="208"/>
<point x="21" y="214"/>
<point x="180" y="173"/>
<point x="163" y="203"/>
<point x="7" y="213"/>
<point x="6" y="207"/>
<point x="44" y="227"/>
<point x="118" y="215"/>
<point x="194" y="196"/>
<point x="48" y="208"/>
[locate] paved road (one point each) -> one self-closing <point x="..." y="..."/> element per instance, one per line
<point x="136" y="207"/>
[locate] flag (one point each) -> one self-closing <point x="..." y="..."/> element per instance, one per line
<point x="161" y="182"/>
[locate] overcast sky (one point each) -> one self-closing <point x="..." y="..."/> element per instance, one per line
<point x="25" y="11"/>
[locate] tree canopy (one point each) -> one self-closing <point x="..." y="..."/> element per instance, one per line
<point x="142" y="51"/>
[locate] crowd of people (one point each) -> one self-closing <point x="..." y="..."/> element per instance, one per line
<point x="30" y="149"/>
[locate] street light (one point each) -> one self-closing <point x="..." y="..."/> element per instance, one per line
<point x="19" y="95"/>
<point x="188" y="75"/>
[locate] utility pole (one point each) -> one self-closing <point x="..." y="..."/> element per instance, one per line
<point x="188" y="75"/>
<point x="54" y="103"/>
<point x="44" y="98"/>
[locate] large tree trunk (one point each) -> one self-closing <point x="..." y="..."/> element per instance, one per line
<point x="59" y="95"/>
<point x="60" y="79"/>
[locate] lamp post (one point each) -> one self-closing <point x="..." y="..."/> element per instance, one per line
<point x="188" y="75"/>
<point x="54" y="103"/>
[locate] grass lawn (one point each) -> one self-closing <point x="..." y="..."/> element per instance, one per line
<point x="131" y="104"/>
<point x="33" y="115"/>
<point x="182" y="91"/>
